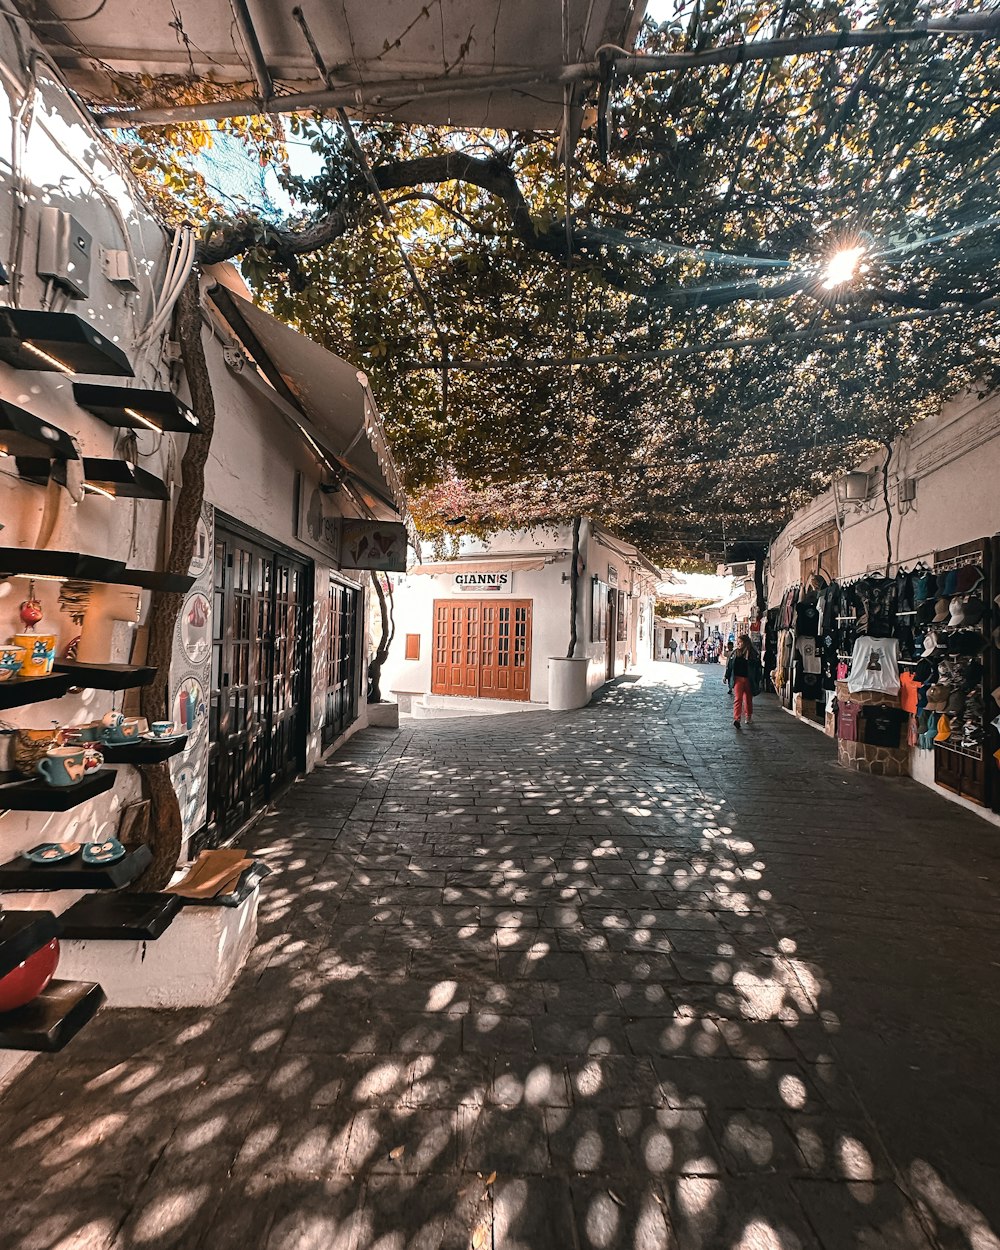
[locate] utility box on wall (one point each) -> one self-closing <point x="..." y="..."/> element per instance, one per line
<point x="64" y="249"/>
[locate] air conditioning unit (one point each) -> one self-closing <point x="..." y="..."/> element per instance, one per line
<point x="907" y="489"/>
<point x="855" y="487"/>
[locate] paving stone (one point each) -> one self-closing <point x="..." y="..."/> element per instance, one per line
<point x="675" y="989"/>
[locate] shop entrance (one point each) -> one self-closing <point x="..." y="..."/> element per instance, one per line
<point x="341" y="660"/>
<point x="482" y="648"/>
<point x="258" y="711"/>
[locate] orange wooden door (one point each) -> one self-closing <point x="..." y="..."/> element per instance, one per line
<point x="455" y="666"/>
<point x="482" y="648"/>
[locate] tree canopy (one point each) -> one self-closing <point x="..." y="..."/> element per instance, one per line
<point x="704" y="214"/>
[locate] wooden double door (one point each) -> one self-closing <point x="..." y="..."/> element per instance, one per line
<point x="258" y="710"/>
<point x="482" y="648"/>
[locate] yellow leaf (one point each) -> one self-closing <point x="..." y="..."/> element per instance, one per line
<point x="491" y="1178"/>
<point x="397" y="1152"/>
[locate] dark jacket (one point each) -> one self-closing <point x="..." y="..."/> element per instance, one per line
<point x="756" y="671"/>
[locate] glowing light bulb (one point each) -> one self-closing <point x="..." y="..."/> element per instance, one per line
<point x="841" y="267"/>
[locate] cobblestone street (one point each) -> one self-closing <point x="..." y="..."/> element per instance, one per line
<point x="620" y="977"/>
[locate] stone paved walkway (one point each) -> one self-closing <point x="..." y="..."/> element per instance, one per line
<point x="612" y="978"/>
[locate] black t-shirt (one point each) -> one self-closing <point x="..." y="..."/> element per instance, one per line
<point x="741" y="666"/>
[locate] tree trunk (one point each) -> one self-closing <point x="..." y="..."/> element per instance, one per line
<point x="574" y="588"/>
<point x="388" y="615"/>
<point x="166" y="831"/>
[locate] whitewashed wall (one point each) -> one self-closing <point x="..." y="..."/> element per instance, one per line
<point x="549" y="590"/>
<point x="954" y="458"/>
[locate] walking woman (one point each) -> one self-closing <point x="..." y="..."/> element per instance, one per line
<point x="744" y="676"/>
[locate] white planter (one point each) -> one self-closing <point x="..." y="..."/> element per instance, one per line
<point x="567" y="684"/>
<point x="384" y="714"/>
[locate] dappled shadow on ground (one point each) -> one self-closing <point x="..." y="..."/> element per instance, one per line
<point x="544" y="981"/>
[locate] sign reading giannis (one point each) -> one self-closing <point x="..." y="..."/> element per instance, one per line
<point x="485" y="583"/>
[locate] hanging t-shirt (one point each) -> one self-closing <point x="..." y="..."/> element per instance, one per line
<point x="807" y="618"/>
<point x="809" y="654"/>
<point x="883" y="725"/>
<point x="874" y="665"/>
<point x="909" y="689"/>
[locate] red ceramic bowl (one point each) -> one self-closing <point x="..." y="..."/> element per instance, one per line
<point x="28" y="979"/>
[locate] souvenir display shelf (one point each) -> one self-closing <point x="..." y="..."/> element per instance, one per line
<point x="37" y="562"/>
<point x="965" y="768"/>
<point x="119" y="917"/>
<point x="53" y="1018"/>
<point x="145" y="751"/>
<point x="32" y="794"/>
<point x="74" y="874"/>
<point x="20" y="691"/>
<point x="58" y="342"/>
<point x="136" y="408"/>
<point x="22" y="933"/>
<point x="105" y="676"/>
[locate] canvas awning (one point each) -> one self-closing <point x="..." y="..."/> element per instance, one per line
<point x="481" y="566"/>
<point x="471" y="63"/>
<point x="329" y="397"/>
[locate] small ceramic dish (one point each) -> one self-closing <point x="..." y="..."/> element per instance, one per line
<point x="110" y="851"/>
<point x="151" y="737"/>
<point x="51" y="852"/>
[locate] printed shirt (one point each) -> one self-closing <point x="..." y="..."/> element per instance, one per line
<point x="874" y="665"/>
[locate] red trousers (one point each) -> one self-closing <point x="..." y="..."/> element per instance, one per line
<point x="742" y="698"/>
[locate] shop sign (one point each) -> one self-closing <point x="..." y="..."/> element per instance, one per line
<point x="348" y="543"/>
<point x="499" y="582"/>
<point x="612" y="575"/>
<point x="376" y="545"/>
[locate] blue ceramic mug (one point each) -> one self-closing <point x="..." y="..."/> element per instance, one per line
<point x="62" y="766"/>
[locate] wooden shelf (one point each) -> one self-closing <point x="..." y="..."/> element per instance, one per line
<point x="105" y="676"/>
<point x="34" y="562"/>
<point x="24" y="434"/>
<point x="135" y="408"/>
<point x="32" y="794"/>
<point x="22" y="933"/>
<point x="20" y="691"/>
<point x="115" y="477"/>
<point x="53" y="1019"/>
<point x="119" y="917"/>
<point x="58" y="342"/>
<point x="74" y="874"/>
<point x="38" y="562"/>
<point x="144" y="751"/>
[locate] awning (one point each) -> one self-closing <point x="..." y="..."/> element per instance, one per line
<point x="480" y="566"/>
<point x="472" y="63"/>
<point x="331" y="398"/>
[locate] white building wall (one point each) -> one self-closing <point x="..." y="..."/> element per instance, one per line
<point x="954" y="458"/>
<point x="549" y="590"/>
<point x="53" y="155"/>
